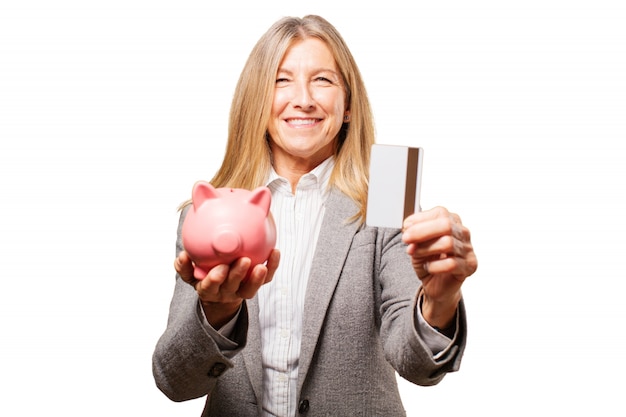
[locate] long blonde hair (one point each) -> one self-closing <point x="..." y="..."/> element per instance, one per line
<point x="247" y="160"/>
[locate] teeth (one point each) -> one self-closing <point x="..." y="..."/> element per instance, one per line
<point x="302" y="121"/>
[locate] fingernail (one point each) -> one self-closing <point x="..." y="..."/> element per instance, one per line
<point x="222" y="269"/>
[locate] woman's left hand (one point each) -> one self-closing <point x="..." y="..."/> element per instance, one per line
<point x="443" y="257"/>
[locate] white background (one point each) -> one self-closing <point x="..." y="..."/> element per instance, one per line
<point x="111" y="110"/>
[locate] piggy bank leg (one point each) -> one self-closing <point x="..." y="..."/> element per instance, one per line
<point x="199" y="273"/>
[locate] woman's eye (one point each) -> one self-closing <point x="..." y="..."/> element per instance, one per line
<point x="281" y="80"/>
<point x="323" y="79"/>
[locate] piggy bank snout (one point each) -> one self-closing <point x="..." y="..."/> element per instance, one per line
<point x="227" y="242"/>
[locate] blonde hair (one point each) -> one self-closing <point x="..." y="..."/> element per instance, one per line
<point x="247" y="161"/>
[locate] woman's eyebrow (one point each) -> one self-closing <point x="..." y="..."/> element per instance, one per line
<point x="315" y="71"/>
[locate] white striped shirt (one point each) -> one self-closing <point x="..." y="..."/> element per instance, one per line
<point x="281" y="303"/>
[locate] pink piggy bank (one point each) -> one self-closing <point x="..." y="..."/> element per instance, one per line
<point x="225" y="224"/>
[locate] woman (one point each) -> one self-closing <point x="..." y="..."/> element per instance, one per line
<point x="339" y="306"/>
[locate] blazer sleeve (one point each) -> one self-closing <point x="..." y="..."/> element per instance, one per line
<point x="187" y="361"/>
<point x="404" y="348"/>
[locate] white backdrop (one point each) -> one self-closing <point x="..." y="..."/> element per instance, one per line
<point x="110" y="111"/>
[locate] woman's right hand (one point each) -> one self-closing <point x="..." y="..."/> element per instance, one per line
<point x="225" y="287"/>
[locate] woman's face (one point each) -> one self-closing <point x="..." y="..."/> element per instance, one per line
<point x="308" y="108"/>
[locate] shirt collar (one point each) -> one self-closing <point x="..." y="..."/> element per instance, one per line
<point x="319" y="175"/>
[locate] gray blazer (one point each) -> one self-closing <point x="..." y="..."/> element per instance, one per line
<point x="358" y="328"/>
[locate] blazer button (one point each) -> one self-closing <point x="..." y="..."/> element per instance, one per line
<point x="303" y="407"/>
<point x="217" y="370"/>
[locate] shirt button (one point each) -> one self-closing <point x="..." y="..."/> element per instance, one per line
<point x="303" y="407"/>
<point x="284" y="333"/>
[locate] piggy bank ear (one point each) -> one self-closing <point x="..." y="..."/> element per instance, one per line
<point x="202" y="191"/>
<point x="261" y="197"/>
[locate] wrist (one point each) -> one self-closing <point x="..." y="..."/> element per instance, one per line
<point x="440" y="313"/>
<point x="218" y="314"/>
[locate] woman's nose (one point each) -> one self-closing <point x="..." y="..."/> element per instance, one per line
<point x="302" y="96"/>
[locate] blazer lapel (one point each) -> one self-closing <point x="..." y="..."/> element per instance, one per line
<point x="332" y="249"/>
